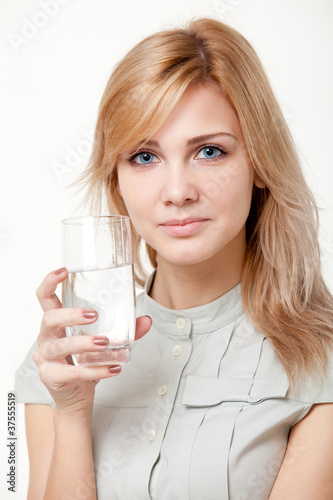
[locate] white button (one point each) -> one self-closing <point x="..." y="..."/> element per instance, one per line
<point x="176" y="351"/>
<point x="163" y="390"/>
<point x="181" y="323"/>
<point x="151" y="435"/>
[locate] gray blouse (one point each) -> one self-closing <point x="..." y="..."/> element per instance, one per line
<point x="202" y="411"/>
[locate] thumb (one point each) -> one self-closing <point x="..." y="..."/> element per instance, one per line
<point x="143" y="325"/>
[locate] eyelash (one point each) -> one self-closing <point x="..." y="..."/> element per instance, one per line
<point x="142" y="151"/>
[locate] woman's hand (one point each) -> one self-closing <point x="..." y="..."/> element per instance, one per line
<point x="71" y="387"/>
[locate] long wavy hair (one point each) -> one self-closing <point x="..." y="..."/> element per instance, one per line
<point x="283" y="291"/>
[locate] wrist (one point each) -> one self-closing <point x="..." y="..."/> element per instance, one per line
<point x="83" y="415"/>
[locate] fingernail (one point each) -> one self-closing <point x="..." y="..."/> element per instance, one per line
<point x="89" y="313"/>
<point x="114" y="369"/>
<point x="60" y="271"/>
<point x="102" y="341"/>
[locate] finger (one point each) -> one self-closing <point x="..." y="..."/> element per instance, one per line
<point x="54" y="321"/>
<point x="60" y="348"/>
<point x="55" y="375"/>
<point x="143" y="324"/>
<point x="46" y="290"/>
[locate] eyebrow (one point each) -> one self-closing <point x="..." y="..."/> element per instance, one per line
<point x="193" y="140"/>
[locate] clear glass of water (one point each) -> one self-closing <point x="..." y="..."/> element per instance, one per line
<point x="97" y="252"/>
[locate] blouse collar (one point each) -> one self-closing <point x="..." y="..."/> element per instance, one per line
<point x="201" y="319"/>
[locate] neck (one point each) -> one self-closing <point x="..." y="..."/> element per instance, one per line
<point x="187" y="286"/>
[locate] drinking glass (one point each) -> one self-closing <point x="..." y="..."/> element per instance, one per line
<point x="97" y="252"/>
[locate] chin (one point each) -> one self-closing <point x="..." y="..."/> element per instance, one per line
<point x="184" y="258"/>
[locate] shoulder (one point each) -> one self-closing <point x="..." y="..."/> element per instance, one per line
<point x="316" y="388"/>
<point x="312" y="388"/>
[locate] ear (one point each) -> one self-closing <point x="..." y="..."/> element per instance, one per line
<point x="259" y="182"/>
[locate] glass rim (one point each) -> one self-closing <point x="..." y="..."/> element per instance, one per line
<point x="80" y="219"/>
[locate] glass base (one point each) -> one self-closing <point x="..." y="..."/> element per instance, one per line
<point x="112" y="355"/>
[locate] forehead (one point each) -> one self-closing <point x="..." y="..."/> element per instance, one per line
<point x="201" y="110"/>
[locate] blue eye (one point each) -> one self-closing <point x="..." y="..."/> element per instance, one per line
<point x="211" y="152"/>
<point x="145" y="156"/>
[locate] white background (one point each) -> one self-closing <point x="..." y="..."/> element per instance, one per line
<point x="54" y="69"/>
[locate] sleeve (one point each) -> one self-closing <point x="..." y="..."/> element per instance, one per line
<point x="315" y="390"/>
<point x="28" y="386"/>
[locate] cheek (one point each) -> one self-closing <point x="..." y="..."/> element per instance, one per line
<point x="235" y="179"/>
<point x="234" y="197"/>
<point x="137" y="200"/>
<point x="128" y="191"/>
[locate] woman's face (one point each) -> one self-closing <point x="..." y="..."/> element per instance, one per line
<point x="182" y="175"/>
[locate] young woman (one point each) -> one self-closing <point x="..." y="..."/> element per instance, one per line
<point x="228" y="394"/>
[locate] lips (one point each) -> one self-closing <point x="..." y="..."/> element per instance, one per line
<point x="184" y="227"/>
<point x="182" y="222"/>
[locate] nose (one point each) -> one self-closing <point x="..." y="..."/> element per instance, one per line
<point x="179" y="186"/>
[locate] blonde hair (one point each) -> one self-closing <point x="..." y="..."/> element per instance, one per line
<point x="283" y="291"/>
